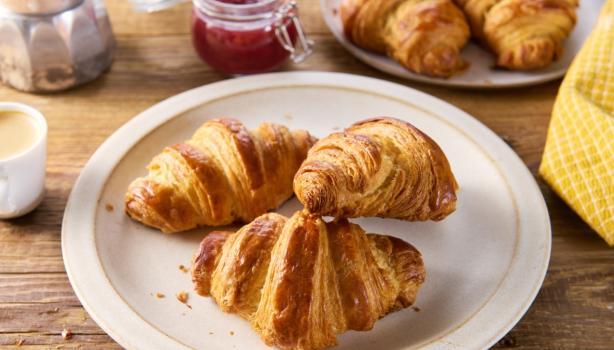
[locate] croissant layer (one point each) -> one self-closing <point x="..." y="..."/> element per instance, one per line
<point x="378" y="167"/>
<point x="312" y="281"/>
<point x="425" y="36"/>
<point x="224" y="173"/>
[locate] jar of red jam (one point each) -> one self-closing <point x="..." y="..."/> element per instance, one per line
<point x="248" y="36"/>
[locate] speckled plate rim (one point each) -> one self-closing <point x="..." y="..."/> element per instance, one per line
<point x="504" y="309"/>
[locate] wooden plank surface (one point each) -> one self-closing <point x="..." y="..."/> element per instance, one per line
<point x="155" y="60"/>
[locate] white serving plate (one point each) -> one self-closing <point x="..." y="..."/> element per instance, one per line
<point x="481" y="73"/>
<point x="485" y="263"/>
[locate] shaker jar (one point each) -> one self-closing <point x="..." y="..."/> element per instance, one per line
<point x="248" y="36"/>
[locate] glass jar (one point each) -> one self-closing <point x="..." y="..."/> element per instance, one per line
<point x="248" y="36"/>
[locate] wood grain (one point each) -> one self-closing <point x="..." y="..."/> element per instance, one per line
<point x="155" y="60"/>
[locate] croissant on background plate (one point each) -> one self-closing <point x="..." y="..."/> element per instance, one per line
<point x="301" y="281"/>
<point x="223" y="174"/>
<point x="523" y="34"/>
<point x="378" y="167"/>
<point x="425" y="36"/>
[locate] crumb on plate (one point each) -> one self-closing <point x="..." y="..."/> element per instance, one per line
<point x="160" y="295"/>
<point x="66" y="334"/>
<point x="415" y="308"/>
<point x="55" y="310"/>
<point x="182" y="296"/>
<point x="232" y="333"/>
<point x="183" y="269"/>
<point x="109" y="207"/>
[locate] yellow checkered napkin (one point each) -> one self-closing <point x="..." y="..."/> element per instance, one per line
<point x="578" y="160"/>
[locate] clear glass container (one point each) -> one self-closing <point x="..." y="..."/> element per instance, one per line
<point x="248" y="36"/>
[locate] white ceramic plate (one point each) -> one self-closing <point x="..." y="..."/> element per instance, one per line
<point x="485" y="263"/>
<point x="480" y="73"/>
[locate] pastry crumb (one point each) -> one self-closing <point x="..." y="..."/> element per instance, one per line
<point x="160" y="295"/>
<point x="415" y="308"/>
<point x="55" y="310"/>
<point x="336" y="128"/>
<point x="183" y="269"/>
<point x="210" y="333"/>
<point x="182" y="296"/>
<point x="232" y="333"/>
<point x="109" y="207"/>
<point x="288" y="116"/>
<point x="334" y="12"/>
<point x="19" y="342"/>
<point x="66" y="334"/>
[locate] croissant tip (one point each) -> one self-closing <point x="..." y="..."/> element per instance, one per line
<point x="310" y="193"/>
<point x="132" y="207"/>
<point x="203" y="261"/>
<point x="314" y="203"/>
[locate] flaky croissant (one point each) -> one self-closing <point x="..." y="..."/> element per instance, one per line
<point x="378" y="167"/>
<point x="425" y="36"/>
<point x="224" y="173"/>
<point x="523" y="34"/>
<point x="301" y="281"/>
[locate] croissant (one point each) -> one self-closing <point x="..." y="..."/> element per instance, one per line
<point x="224" y="173"/>
<point x="378" y="167"/>
<point x="425" y="36"/>
<point x="523" y="34"/>
<point x="301" y="281"/>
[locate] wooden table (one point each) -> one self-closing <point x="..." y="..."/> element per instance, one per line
<point x="155" y="60"/>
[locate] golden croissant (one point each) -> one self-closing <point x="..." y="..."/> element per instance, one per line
<point x="301" y="281"/>
<point x="523" y="34"/>
<point x="425" y="36"/>
<point x="378" y="167"/>
<point x="223" y="174"/>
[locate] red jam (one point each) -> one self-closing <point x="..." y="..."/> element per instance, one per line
<point x="238" y="48"/>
